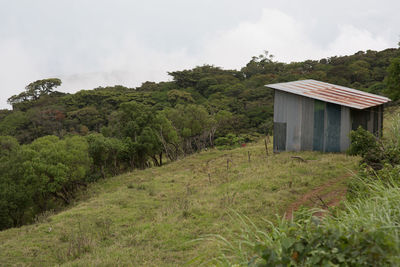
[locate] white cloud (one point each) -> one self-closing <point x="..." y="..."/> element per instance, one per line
<point x="110" y="48"/>
<point x="130" y="63"/>
<point x="352" y="39"/>
<point x="17" y="69"/>
<point x="287" y="39"/>
<point x="274" y="31"/>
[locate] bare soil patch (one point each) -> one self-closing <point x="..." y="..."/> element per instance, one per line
<point x="329" y="194"/>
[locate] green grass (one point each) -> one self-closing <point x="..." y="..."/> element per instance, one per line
<point x="363" y="232"/>
<point x="151" y="217"/>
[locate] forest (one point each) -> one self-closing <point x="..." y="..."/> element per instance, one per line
<point x="54" y="143"/>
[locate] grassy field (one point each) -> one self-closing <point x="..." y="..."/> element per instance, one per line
<point x="151" y="217"/>
<point x="391" y="122"/>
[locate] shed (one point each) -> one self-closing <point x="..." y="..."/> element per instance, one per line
<point x="314" y="115"/>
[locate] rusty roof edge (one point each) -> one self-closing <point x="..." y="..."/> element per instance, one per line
<point x="278" y="86"/>
<point x="351" y="90"/>
<point x="330" y="84"/>
<point x="321" y="98"/>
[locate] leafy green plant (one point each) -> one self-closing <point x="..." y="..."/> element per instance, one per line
<point x="375" y="152"/>
<point x="40" y="176"/>
<point x="362" y="142"/>
<point x="229" y="141"/>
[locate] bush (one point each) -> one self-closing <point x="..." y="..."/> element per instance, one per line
<point x="388" y="175"/>
<point x="229" y="141"/>
<point x="374" y="152"/>
<point x="362" y="142"/>
<point x="39" y="176"/>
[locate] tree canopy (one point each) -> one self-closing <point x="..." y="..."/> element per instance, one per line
<point x="35" y="90"/>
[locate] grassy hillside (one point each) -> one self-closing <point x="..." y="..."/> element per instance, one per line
<point x="148" y="217"/>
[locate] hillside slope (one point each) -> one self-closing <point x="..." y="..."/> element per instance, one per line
<point x="148" y="217"/>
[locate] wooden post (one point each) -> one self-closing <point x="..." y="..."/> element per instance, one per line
<point x="248" y="155"/>
<point x="266" y="140"/>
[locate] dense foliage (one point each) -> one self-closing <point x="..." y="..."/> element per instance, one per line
<point x="54" y="143"/>
<point x="36" y="176"/>
<point x="377" y="153"/>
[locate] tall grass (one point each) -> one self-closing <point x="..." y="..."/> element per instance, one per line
<point x="365" y="232"/>
<point x="392" y="127"/>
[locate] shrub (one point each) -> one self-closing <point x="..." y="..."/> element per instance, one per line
<point x="374" y="152"/>
<point x="229" y="141"/>
<point x="362" y="142"/>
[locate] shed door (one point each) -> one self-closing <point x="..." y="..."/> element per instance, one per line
<point x="333" y="114"/>
<point x="319" y="122"/>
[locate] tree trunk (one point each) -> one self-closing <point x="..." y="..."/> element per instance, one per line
<point x="154" y="158"/>
<point x="103" y="174"/>
<point x="62" y="197"/>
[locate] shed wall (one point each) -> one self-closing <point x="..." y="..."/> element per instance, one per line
<point x="303" y="123"/>
<point x="345" y="129"/>
<point x="307" y="123"/>
<point x="287" y="121"/>
<point x="294" y="120"/>
<point x="370" y="119"/>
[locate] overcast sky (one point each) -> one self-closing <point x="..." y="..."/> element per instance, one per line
<point x="90" y="43"/>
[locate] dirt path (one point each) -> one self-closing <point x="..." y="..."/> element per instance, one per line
<point x="321" y="196"/>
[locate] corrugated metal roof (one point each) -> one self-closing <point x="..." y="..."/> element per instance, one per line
<point x="331" y="93"/>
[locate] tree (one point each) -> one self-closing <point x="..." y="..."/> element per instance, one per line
<point x="35" y="90"/>
<point x="42" y="87"/>
<point x="360" y="71"/>
<point x="179" y="97"/>
<point x="168" y="136"/>
<point x="106" y="153"/>
<point x="57" y="167"/>
<point x="393" y="79"/>
<point x="98" y="151"/>
<point x="261" y="64"/>
<point x="36" y="177"/>
<point x="135" y="124"/>
<point x="204" y="83"/>
<point x="87" y="116"/>
<point x="224" y="121"/>
<point x="190" y="78"/>
<point x="148" y="146"/>
<point x="15" y="189"/>
<point x="14" y="123"/>
<point x="194" y="124"/>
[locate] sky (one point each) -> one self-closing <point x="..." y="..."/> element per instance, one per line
<point x="91" y="43"/>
